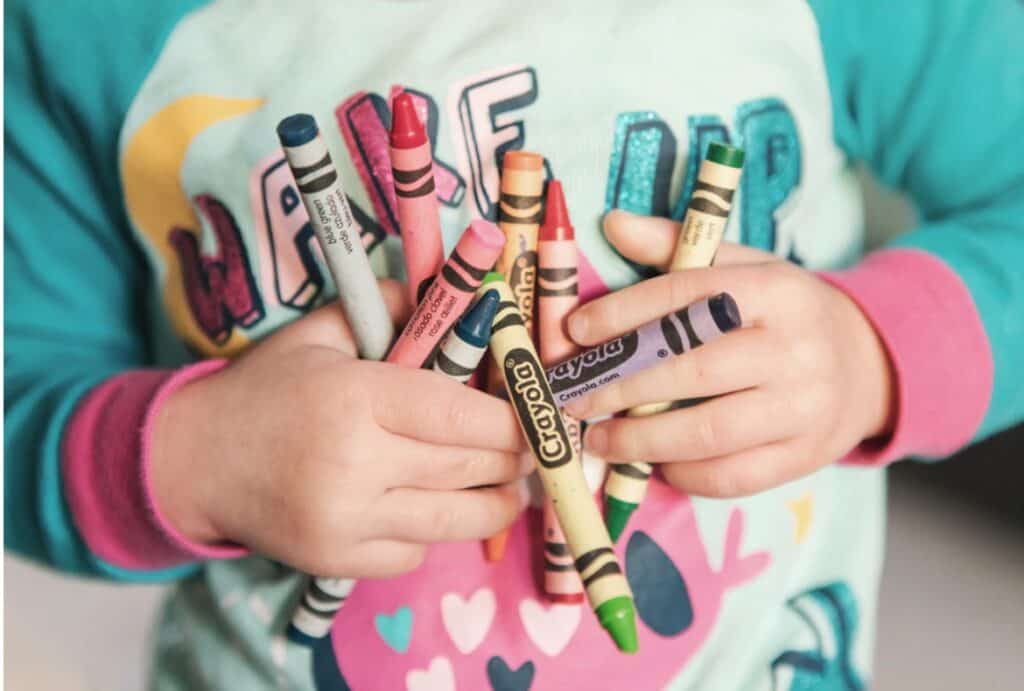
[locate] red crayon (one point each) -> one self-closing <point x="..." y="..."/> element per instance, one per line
<point x="557" y="295"/>
<point x="449" y="295"/>
<point x="412" y="166"/>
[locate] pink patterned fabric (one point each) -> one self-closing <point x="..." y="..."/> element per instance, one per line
<point x="943" y="364"/>
<point x="105" y="470"/>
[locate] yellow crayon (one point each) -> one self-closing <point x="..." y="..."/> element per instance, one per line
<point x="520" y="212"/>
<point x="561" y="472"/>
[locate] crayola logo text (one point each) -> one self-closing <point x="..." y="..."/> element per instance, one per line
<point x="533" y="401"/>
<point x="592" y="363"/>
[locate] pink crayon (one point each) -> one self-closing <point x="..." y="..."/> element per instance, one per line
<point x="449" y="295"/>
<point x="418" y="218"/>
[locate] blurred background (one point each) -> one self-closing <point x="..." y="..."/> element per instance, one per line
<point x="951" y="613"/>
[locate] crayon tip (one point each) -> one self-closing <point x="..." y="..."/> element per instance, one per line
<point x="557" y="225"/>
<point x="296" y="636"/>
<point x="725" y="311"/>
<point x="487" y="233"/>
<point x="406" y="129"/>
<point x="491" y="277"/>
<point x="522" y="160"/>
<point x="725" y="155"/>
<point x="616" y="516"/>
<point x="296" y="130"/>
<point x="565" y="598"/>
<point x="618" y="618"/>
<point x="494" y="546"/>
<point x="475" y="325"/>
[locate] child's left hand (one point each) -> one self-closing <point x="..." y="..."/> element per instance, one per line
<point x="803" y="383"/>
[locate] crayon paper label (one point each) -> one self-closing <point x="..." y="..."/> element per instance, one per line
<point x="594" y="363"/>
<point x="536" y="407"/>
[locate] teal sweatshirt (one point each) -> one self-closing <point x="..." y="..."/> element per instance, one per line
<point x="152" y="228"/>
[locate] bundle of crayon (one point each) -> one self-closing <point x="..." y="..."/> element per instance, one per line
<point x="703" y="227"/>
<point x="520" y="204"/>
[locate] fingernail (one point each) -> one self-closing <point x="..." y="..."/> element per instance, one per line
<point x="577" y="326"/>
<point x="596" y="440"/>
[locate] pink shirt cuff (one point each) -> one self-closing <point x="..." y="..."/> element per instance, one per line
<point x="937" y="344"/>
<point x="105" y="470"/>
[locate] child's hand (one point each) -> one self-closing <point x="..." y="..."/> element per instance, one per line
<point x="802" y="385"/>
<point x="337" y="466"/>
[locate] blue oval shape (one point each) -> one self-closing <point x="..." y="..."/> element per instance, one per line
<point x="662" y="599"/>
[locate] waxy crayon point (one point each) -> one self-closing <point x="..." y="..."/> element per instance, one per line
<point x="618" y="618"/>
<point x="491" y="277"/>
<point x="494" y="547"/>
<point x="298" y="129"/>
<point x="407" y="131"/>
<point x="487" y="233"/>
<point x="295" y="636"/>
<point x="475" y="326"/>
<point x="522" y="160"/>
<point x="557" y="225"/>
<point x="725" y="155"/>
<point x="616" y="516"/>
<point x="724" y="311"/>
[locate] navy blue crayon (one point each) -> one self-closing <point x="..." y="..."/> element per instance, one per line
<point x="465" y="346"/>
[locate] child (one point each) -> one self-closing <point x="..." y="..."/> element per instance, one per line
<point x="153" y="231"/>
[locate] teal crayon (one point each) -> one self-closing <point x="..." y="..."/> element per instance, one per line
<point x="465" y="345"/>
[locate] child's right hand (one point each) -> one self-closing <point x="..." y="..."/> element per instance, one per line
<point x="337" y="466"/>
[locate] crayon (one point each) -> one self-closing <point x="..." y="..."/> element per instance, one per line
<point x="561" y="473"/>
<point x="448" y="296"/>
<point x="338" y="233"/>
<point x="703" y="226"/>
<point x="465" y="345"/>
<point x="644" y="347"/>
<point x="520" y="202"/>
<point x="412" y="165"/>
<point x="557" y="295"/>
<point x="315" y="613"/>
<point x="339" y="236"/>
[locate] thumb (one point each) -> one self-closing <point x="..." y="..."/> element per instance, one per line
<point x="327" y="326"/>
<point x="651" y="240"/>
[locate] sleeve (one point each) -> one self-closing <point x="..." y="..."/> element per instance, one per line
<point x="78" y="392"/>
<point x="930" y="95"/>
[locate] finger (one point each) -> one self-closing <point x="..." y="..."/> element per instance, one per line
<point x="651" y="240"/>
<point x="740" y="474"/>
<point x="717" y="427"/>
<point x="733" y="362"/>
<point x="626" y="309"/>
<point x="428" y="516"/>
<point x="437" y="467"/>
<point x="327" y="326"/>
<point x="430" y="407"/>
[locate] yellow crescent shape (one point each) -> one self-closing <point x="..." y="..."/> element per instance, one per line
<point x="156" y="202"/>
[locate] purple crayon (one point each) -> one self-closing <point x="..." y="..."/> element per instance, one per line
<point x="648" y="345"/>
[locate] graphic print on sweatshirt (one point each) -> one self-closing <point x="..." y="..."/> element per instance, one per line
<point x="220" y="282"/>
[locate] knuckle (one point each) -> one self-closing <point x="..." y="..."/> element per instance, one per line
<point x="706" y="435"/>
<point x="441" y="522"/>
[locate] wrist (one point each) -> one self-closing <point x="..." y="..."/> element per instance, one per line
<point x="176" y="450"/>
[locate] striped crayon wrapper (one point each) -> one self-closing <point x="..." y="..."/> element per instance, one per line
<point x="449" y="295"/>
<point x="520" y="208"/>
<point x="557" y="295"/>
<point x="644" y="347"/>
<point x="338" y="234"/>
<point x="561" y="473"/>
<point x="412" y="166"/>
